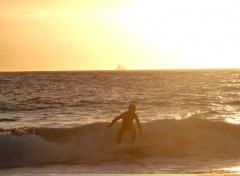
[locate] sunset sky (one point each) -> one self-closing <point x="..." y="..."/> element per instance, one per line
<point x="100" y="34"/>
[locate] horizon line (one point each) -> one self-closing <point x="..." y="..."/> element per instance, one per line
<point x="96" y="70"/>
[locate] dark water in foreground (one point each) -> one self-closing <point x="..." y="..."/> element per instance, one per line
<point x="54" y="122"/>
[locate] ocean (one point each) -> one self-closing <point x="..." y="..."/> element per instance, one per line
<point x="54" y="123"/>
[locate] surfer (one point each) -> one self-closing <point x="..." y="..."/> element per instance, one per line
<point x="127" y="123"/>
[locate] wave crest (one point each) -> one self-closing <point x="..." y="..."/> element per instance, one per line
<point x="191" y="137"/>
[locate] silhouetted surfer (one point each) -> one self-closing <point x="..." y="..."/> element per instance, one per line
<point x="127" y="123"/>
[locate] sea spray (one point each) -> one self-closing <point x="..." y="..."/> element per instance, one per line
<point x="186" y="138"/>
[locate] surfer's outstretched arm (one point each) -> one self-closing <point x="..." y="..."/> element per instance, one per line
<point x="114" y="120"/>
<point x="139" y="126"/>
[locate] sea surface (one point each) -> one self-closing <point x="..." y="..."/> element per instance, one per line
<point x="54" y="123"/>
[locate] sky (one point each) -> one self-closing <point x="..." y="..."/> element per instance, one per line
<point x="53" y="35"/>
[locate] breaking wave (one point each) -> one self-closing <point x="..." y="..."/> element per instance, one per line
<point x="192" y="137"/>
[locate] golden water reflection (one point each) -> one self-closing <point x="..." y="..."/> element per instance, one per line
<point x="235" y="169"/>
<point x="233" y="120"/>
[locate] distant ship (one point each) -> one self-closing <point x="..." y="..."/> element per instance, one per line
<point x="121" y="67"/>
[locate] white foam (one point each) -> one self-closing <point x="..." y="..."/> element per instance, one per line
<point x="31" y="149"/>
<point x="95" y="143"/>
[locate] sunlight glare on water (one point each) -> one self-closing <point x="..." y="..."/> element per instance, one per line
<point x="235" y="119"/>
<point x="235" y="169"/>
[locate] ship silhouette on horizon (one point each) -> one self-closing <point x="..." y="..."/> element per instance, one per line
<point x="121" y="67"/>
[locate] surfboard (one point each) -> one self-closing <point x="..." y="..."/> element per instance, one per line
<point x="146" y="146"/>
<point x="134" y="148"/>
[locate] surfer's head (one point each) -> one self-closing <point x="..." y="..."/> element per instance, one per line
<point x="132" y="108"/>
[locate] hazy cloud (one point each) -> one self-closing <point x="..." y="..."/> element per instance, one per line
<point x="26" y="14"/>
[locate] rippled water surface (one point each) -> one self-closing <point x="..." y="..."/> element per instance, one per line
<point x="193" y="116"/>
